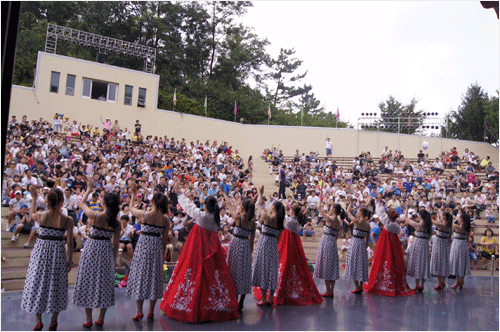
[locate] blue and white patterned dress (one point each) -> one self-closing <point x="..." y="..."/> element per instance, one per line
<point x="46" y="286"/>
<point x="95" y="280"/>
<point x="459" y="256"/>
<point x="327" y="262"/>
<point x="239" y="260"/>
<point x="356" y="264"/>
<point x="440" y="255"/>
<point x="419" y="257"/>
<point x="145" y="279"/>
<point x="266" y="259"/>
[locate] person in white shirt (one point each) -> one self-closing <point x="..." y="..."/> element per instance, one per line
<point x="480" y="200"/>
<point x="329" y="145"/>
<point x="312" y="205"/>
<point x="28" y="179"/>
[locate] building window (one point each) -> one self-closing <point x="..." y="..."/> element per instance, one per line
<point x="54" y="82"/>
<point x="70" y="85"/>
<point x="99" y="90"/>
<point x="87" y="86"/>
<point x="141" y="102"/>
<point x="128" y="95"/>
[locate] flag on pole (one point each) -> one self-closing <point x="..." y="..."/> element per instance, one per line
<point x="485" y="127"/>
<point x="175" y="97"/>
<point x="235" y="112"/>
<point x="269" y="112"/>
<point x="205" y="105"/>
<point x="338" y="114"/>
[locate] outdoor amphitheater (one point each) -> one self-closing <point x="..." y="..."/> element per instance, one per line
<point x="473" y="307"/>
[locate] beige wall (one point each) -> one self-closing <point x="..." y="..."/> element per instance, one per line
<point x="248" y="139"/>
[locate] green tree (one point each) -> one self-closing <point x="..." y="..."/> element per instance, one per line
<point x="282" y="74"/>
<point x="467" y="121"/>
<point x="491" y="118"/>
<point x="392" y="109"/>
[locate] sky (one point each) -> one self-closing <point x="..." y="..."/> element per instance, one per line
<point x="357" y="53"/>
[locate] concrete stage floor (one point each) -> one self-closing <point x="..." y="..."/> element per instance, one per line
<point x="473" y="308"/>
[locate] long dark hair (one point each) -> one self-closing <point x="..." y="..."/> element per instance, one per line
<point x="426" y="216"/>
<point x="449" y="219"/>
<point x="112" y="208"/>
<point x="54" y="197"/>
<point x="249" y="207"/>
<point x="297" y="212"/>
<point x="161" y="202"/>
<point x="366" y="213"/>
<point x="213" y="208"/>
<point x="339" y="211"/>
<point x="466" y="219"/>
<point x="280" y="213"/>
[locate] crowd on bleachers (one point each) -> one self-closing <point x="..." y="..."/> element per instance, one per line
<point x="450" y="183"/>
<point x="56" y="154"/>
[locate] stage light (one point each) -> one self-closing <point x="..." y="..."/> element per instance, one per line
<point x="362" y="114"/>
<point x="374" y="114"/>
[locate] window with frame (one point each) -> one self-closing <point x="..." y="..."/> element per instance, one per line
<point x="128" y="95"/>
<point x="99" y="90"/>
<point x="54" y="81"/>
<point x="141" y="102"/>
<point x="70" y="85"/>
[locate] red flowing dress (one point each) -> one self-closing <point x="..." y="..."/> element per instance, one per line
<point x="295" y="283"/>
<point x="201" y="288"/>
<point x="388" y="273"/>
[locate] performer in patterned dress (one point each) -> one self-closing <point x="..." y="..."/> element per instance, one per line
<point x="440" y="262"/>
<point x="239" y="253"/>
<point x="145" y="279"/>
<point x="266" y="256"/>
<point x="95" y="280"/>
<point x="418" y="254"/>
<point x="387" y="274"/>
<point x="459" y="253"/>
<point x="201" y="288"/>
<point x="295" y="283"/>
<point x="327" y="263"/>
<point x="357" y="256"/>
<point x="46" y="285"/>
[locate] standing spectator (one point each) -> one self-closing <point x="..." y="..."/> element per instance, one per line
<point x="281" y="192"/>
<point x="137" y="127"/>
<point x="472" y="250"/>
<point x="328" y="147"/>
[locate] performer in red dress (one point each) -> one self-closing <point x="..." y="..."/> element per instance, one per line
<point x="388" y="273"/>
<point x="201" y="288"/>
<point x="295" y="283"/>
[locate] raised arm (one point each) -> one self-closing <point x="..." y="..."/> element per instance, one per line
<point x="83" y="203"/>
<point x="349" y="212"/>
<point x="34" y="195"/>
<point x="322" y="212"/>
<point x="139" y="214"/>
<point x="229" y="205"/>
<point x="410" y="222"/>
<point x="186" y="204"/>
<point x="262" y="212"/>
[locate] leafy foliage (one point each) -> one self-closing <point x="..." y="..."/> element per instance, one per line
<point x="467" y="122"/>
<point x="201" y="51"/>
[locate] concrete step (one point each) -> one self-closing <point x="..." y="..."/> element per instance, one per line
<point x="18" y="283"/>
<point x="16" y="252"/>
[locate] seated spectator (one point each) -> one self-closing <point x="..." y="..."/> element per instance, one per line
<point x="308" y="230"/>
<point x="312" y="205"/>
<point x="489" y="245"/>
<point x="480" y="203"/>
<point x="24" y="224"/>
<point x="15" y="208"/>
<point x="126" y="234"/>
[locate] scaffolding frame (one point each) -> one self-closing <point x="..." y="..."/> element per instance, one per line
<point x="103" y="44"/>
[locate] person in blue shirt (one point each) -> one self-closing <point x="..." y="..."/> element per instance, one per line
<point x="374" y="235"/>
<point x="169" y="170"/>
<point x="213" y="189"/>
<point x="225" y="186"/>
